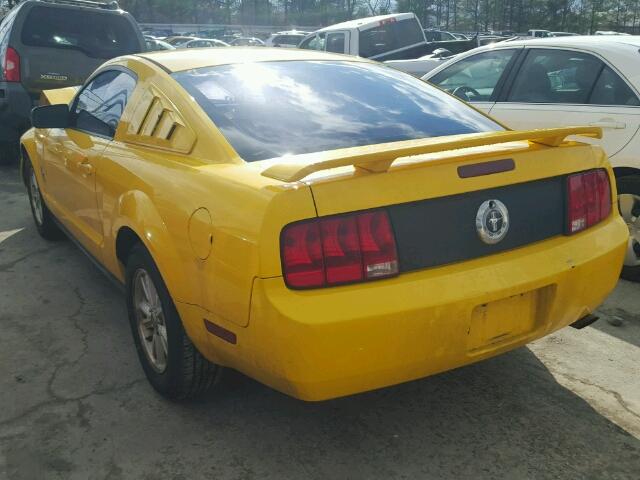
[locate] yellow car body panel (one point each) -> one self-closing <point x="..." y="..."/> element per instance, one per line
<point x="212" y="223"/>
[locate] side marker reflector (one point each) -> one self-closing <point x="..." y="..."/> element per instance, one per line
<point x="218" y="331"/>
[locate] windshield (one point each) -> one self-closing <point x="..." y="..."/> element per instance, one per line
<point x="97" y="34"/>
<point x="270" y="109"/>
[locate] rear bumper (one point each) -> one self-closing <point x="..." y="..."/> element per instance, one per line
<point x="15" y="111"/>
<point x="326" y="343"/>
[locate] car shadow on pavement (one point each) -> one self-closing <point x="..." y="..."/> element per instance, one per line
<point x="74" y="402"/>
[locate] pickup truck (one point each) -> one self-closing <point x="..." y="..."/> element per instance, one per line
<point x="397" y="36"/>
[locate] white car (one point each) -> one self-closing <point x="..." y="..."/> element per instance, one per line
<point x="289" y="39"/>
<point x="555" y="82"/>
<point x="419" y="66"/>
<point x="204" y="43"/>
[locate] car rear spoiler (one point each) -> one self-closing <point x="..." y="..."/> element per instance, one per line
<point x="58" y="96"/>
<point x="379" y="158"/>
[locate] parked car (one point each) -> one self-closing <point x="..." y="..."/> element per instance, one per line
<point x="384" y="37"/>
<point x="538" y="33"/>
<point x="289" y="39"/>
<point x="491" y="39"/>
<point x="226" y="34"/>
<point x="501" y="33"/>
<point x="179" y="40"/>
<point x="204" y="43"/>
<point x="560" y="82"/>
<point x="563" y="34"/>
<point x="418" y="67"/>
<point x="155" y="44"/>
<point x="609" y="32"/>
<point x="398" y="36"/>
<point x="342" y="228"/>
<point x="438" y="35"/>
<point x="247" y="42"/>
<point x="48" y="45"/>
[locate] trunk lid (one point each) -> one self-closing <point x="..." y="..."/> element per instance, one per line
<point x="433" y="199"/>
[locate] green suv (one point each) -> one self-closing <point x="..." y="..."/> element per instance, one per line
<point x="47" y="44"/>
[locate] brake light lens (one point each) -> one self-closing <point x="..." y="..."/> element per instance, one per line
<point x="337" y="250"/>
<point x="588" y="200"/>
<point x="11" y="65"/>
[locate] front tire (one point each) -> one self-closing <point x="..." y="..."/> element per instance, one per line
<point x="629" y="205"/>
<point x="42" y="216"/>
<point x="172" y="364"/>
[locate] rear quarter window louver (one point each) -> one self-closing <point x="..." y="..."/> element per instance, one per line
<point x="156" y="123"/>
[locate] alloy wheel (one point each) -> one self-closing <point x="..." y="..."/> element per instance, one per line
<point x="35" y="198"/>
<point x="150" y="319"/>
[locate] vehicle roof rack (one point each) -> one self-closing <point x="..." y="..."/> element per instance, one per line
<point x="110" y="5"/>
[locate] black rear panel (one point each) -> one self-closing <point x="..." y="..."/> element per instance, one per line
<point x="442" y="230"/>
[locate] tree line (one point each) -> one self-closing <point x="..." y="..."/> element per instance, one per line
<point x="579" y="16"/>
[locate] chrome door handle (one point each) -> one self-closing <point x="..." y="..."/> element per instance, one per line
<point x="609" y="124"/>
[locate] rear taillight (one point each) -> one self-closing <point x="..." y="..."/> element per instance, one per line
<point x="11" y="65"/>
<point x="337" y="250"/>
<point x="588" y="199"/>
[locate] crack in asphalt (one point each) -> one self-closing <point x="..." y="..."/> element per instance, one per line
<point x="621" y="401"/>
<point x="7" y="266"/>
<point x="75" y="321"/>
<point x="56" y="399"/>
<point x="63" y="401"/>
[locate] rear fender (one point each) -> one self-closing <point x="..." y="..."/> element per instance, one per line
<point x="136" y="211"/>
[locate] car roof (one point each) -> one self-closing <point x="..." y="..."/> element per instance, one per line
<point x="361" y="22"/>
<point x="180" y="60"/>
<point x="581" y="41"/>
<point x="619" y="51"/>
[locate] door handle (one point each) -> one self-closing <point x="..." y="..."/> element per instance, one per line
<point x="609" y="124"/>
<point x="86" y="168"/>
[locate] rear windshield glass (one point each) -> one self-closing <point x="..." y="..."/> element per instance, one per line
<point x="390" y="35"/>
<point x="97" y="34"/>
<point x="270" y="109"/>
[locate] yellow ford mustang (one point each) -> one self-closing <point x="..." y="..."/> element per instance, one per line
<point x="321" y="223"/>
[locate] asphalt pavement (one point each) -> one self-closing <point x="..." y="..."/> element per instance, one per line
<point x="74" y="403"/>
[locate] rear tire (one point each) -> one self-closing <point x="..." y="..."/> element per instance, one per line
<point x="172" y="364"/>
<point x="42" y="216"/>
<point x="629" y="205"/>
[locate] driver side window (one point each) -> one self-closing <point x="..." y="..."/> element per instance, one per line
<point x="100" y="104"/>
<point x="474" y="78"/>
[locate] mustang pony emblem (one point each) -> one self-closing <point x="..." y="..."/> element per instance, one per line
<point x="492" y="221"/>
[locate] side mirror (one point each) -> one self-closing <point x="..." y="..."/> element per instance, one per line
<point x="50" y="116"/>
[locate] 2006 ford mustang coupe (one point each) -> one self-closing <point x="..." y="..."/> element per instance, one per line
<point x="322" y="223"/>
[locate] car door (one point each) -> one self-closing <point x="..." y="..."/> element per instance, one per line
<point x="476" y="78"/>
<point x="72" y="155"/>
<point x="561" y="87"/>
<point x="337" y="42"/>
